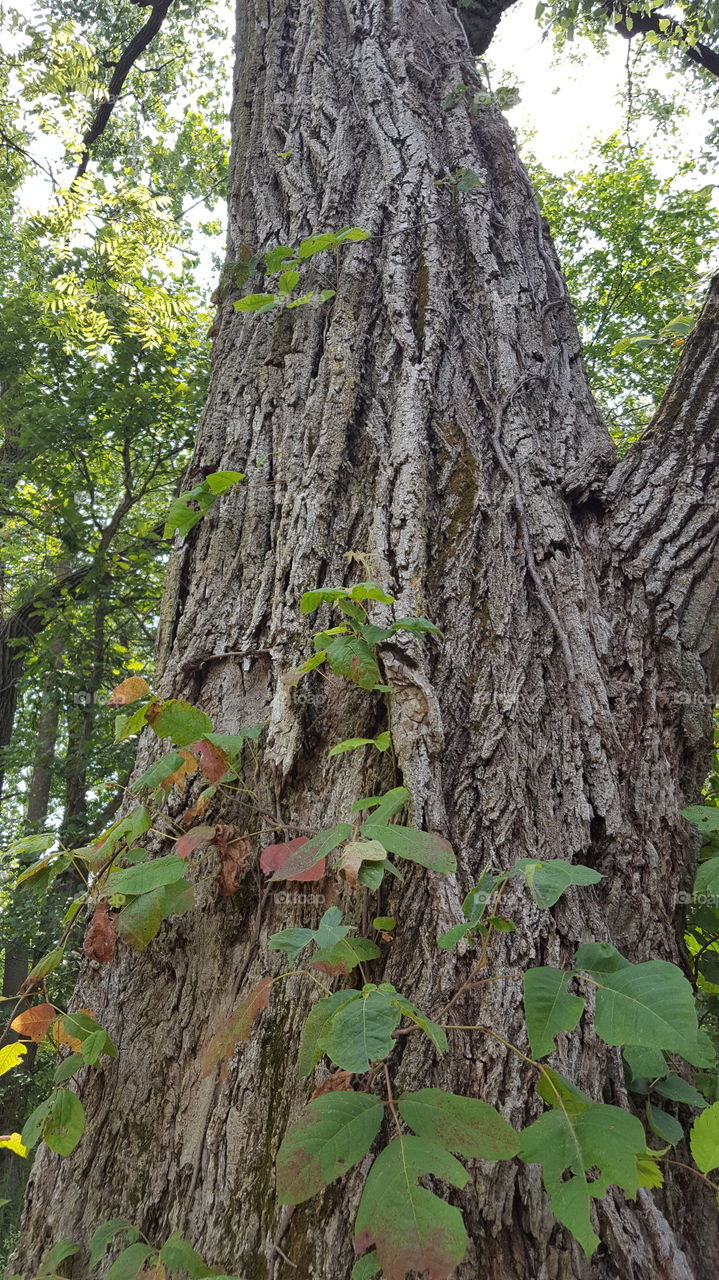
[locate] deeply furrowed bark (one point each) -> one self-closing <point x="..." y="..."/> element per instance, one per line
<point x="435" y="421"/>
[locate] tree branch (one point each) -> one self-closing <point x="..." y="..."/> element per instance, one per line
<point x="642" y="23"/>
<point x="123" y="67"/>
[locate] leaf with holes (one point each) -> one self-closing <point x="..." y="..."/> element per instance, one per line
<point x="331" y="1135"/>
<point x="465" y="1126"/>
<point x="548" y="1008"/>
<point x="410" y="1228"/>
<point x="579" y="1135"/>
<point x="11" y="1055"/>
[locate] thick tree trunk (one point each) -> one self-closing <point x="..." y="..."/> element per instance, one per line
<point x="435" y="420"/>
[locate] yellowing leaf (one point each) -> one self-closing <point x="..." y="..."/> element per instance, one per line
<point x="14" y="1143"/>
<point x="10" y="1055"/>
<point x="357" y="852"/>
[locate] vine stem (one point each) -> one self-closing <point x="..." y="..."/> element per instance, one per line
<point x="697" y="1172"/>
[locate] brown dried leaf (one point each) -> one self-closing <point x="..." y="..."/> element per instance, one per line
<point x="179" y="777"/>
<point x="61" y="1035"/>
<point x="101" y="936"/>
<point x="214" y="762"/>
<point x="129" y="691"/>
<point x="338" y="1082"/>
<point x="35" y="1022"/>
<point x="234" y="1029"/>
<point x="235" y="853"/>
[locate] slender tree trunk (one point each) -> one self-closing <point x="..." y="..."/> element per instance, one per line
<point x="435" y="421"/>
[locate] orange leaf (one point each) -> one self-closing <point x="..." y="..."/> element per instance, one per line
<point x="235" y="1028"/>
<point x="34" y="1023"/>
<point x="339" y="1081"/>
<point x="275" y="855"/>
<point x="129" y="691"/>
<point x="101" y="936"/>
<point x="214" y="762"/>
<point x="234" y="855"/>
<point x="198" y="807"/>
<point x="178" y="778"/>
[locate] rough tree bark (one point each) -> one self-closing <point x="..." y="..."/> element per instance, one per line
<point x="436" y="419"/>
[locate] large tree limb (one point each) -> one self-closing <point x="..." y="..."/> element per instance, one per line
<point x="642" y="23"/>
<point x="665" y="493"/>
<point x="123" y="67"/>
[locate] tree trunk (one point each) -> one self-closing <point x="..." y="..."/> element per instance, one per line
<point x="433" y="419"/>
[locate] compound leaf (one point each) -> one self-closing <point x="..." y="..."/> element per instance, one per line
<point x="466" y="1126"/>
<point x="331" y="1135"/>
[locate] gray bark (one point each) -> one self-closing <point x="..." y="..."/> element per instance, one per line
<point x="436" y="419"/>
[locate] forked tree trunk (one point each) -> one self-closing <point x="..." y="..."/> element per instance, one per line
<point x="434" y="420"/>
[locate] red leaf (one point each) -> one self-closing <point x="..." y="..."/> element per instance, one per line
<point x="275" y="856"/>
<point x="234" y="853"/>
<point x="194" y="838"/>
<point x="34" y="1023"/>
<point x="101" y="936"/>
<point x="214" y="762"/>
<point x="235" y="1028"/>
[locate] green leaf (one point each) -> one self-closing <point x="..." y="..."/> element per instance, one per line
<point x="275" y="259"/>
<point x="548" y="1008"/>
<point x="308" y="855"/>
<point x="59" y="1252"/>
<point x="703" y="1139"/>
<point x="454" y="935"/>
<point x="649" y="1004"/>
<point x="65" y="1123"/>
<point x="148" y="875"/>
<point x="351" y="657"/>
<point x="94" y="1046"/>
<point x="350" y="744"/>
<point x="67" y="1068"/>
<point x="220" y="481"/>
<point x="645" y="1064"/>
<point x="331" y="1135"/>
<point x="127" y="726"/>
<point x="678" y="1090"/>
<point x="370" y="591"/>
<point x="663" y="1125"/>
<point x="599" y="957"/>
<point x="361" y="1031"/>
<point x="385" y="923"/>
<point x="181" y="722"/>
<point x="255" y="301"/>
<point x="348" y="954"/>
<point x="385" y="807"/>
<point x="287" y="282"/>
<point x="159" y="771"/>
<point x="415" y="626"/>
<point x="290" y="941"/>
<point x="140" y="920"/>
<point x="707" y="879"/>
<point x="127" y="1265"/>
<point x="312" y="600"/>
<point x="703" y="816"/>
<point x="315" y="244"/>
<point x="579" y="1135"/>
<point x="104" y="1235"/>
<point x="411" y="1229"/>
<point x="35" y="1123"/>
<point x="178" y="1255"/>
<point x="429" y="850"/>
<point x="466" y="1126"/>
<point x="48" y="964"/>
<point x="547" y="881"/>
<point x="352" y="233"/>
<point x="233" y="743"/>
<point x="431" y="1029"/>
<point x="316" y="1023"/>
<point x="366" y="1268"/>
